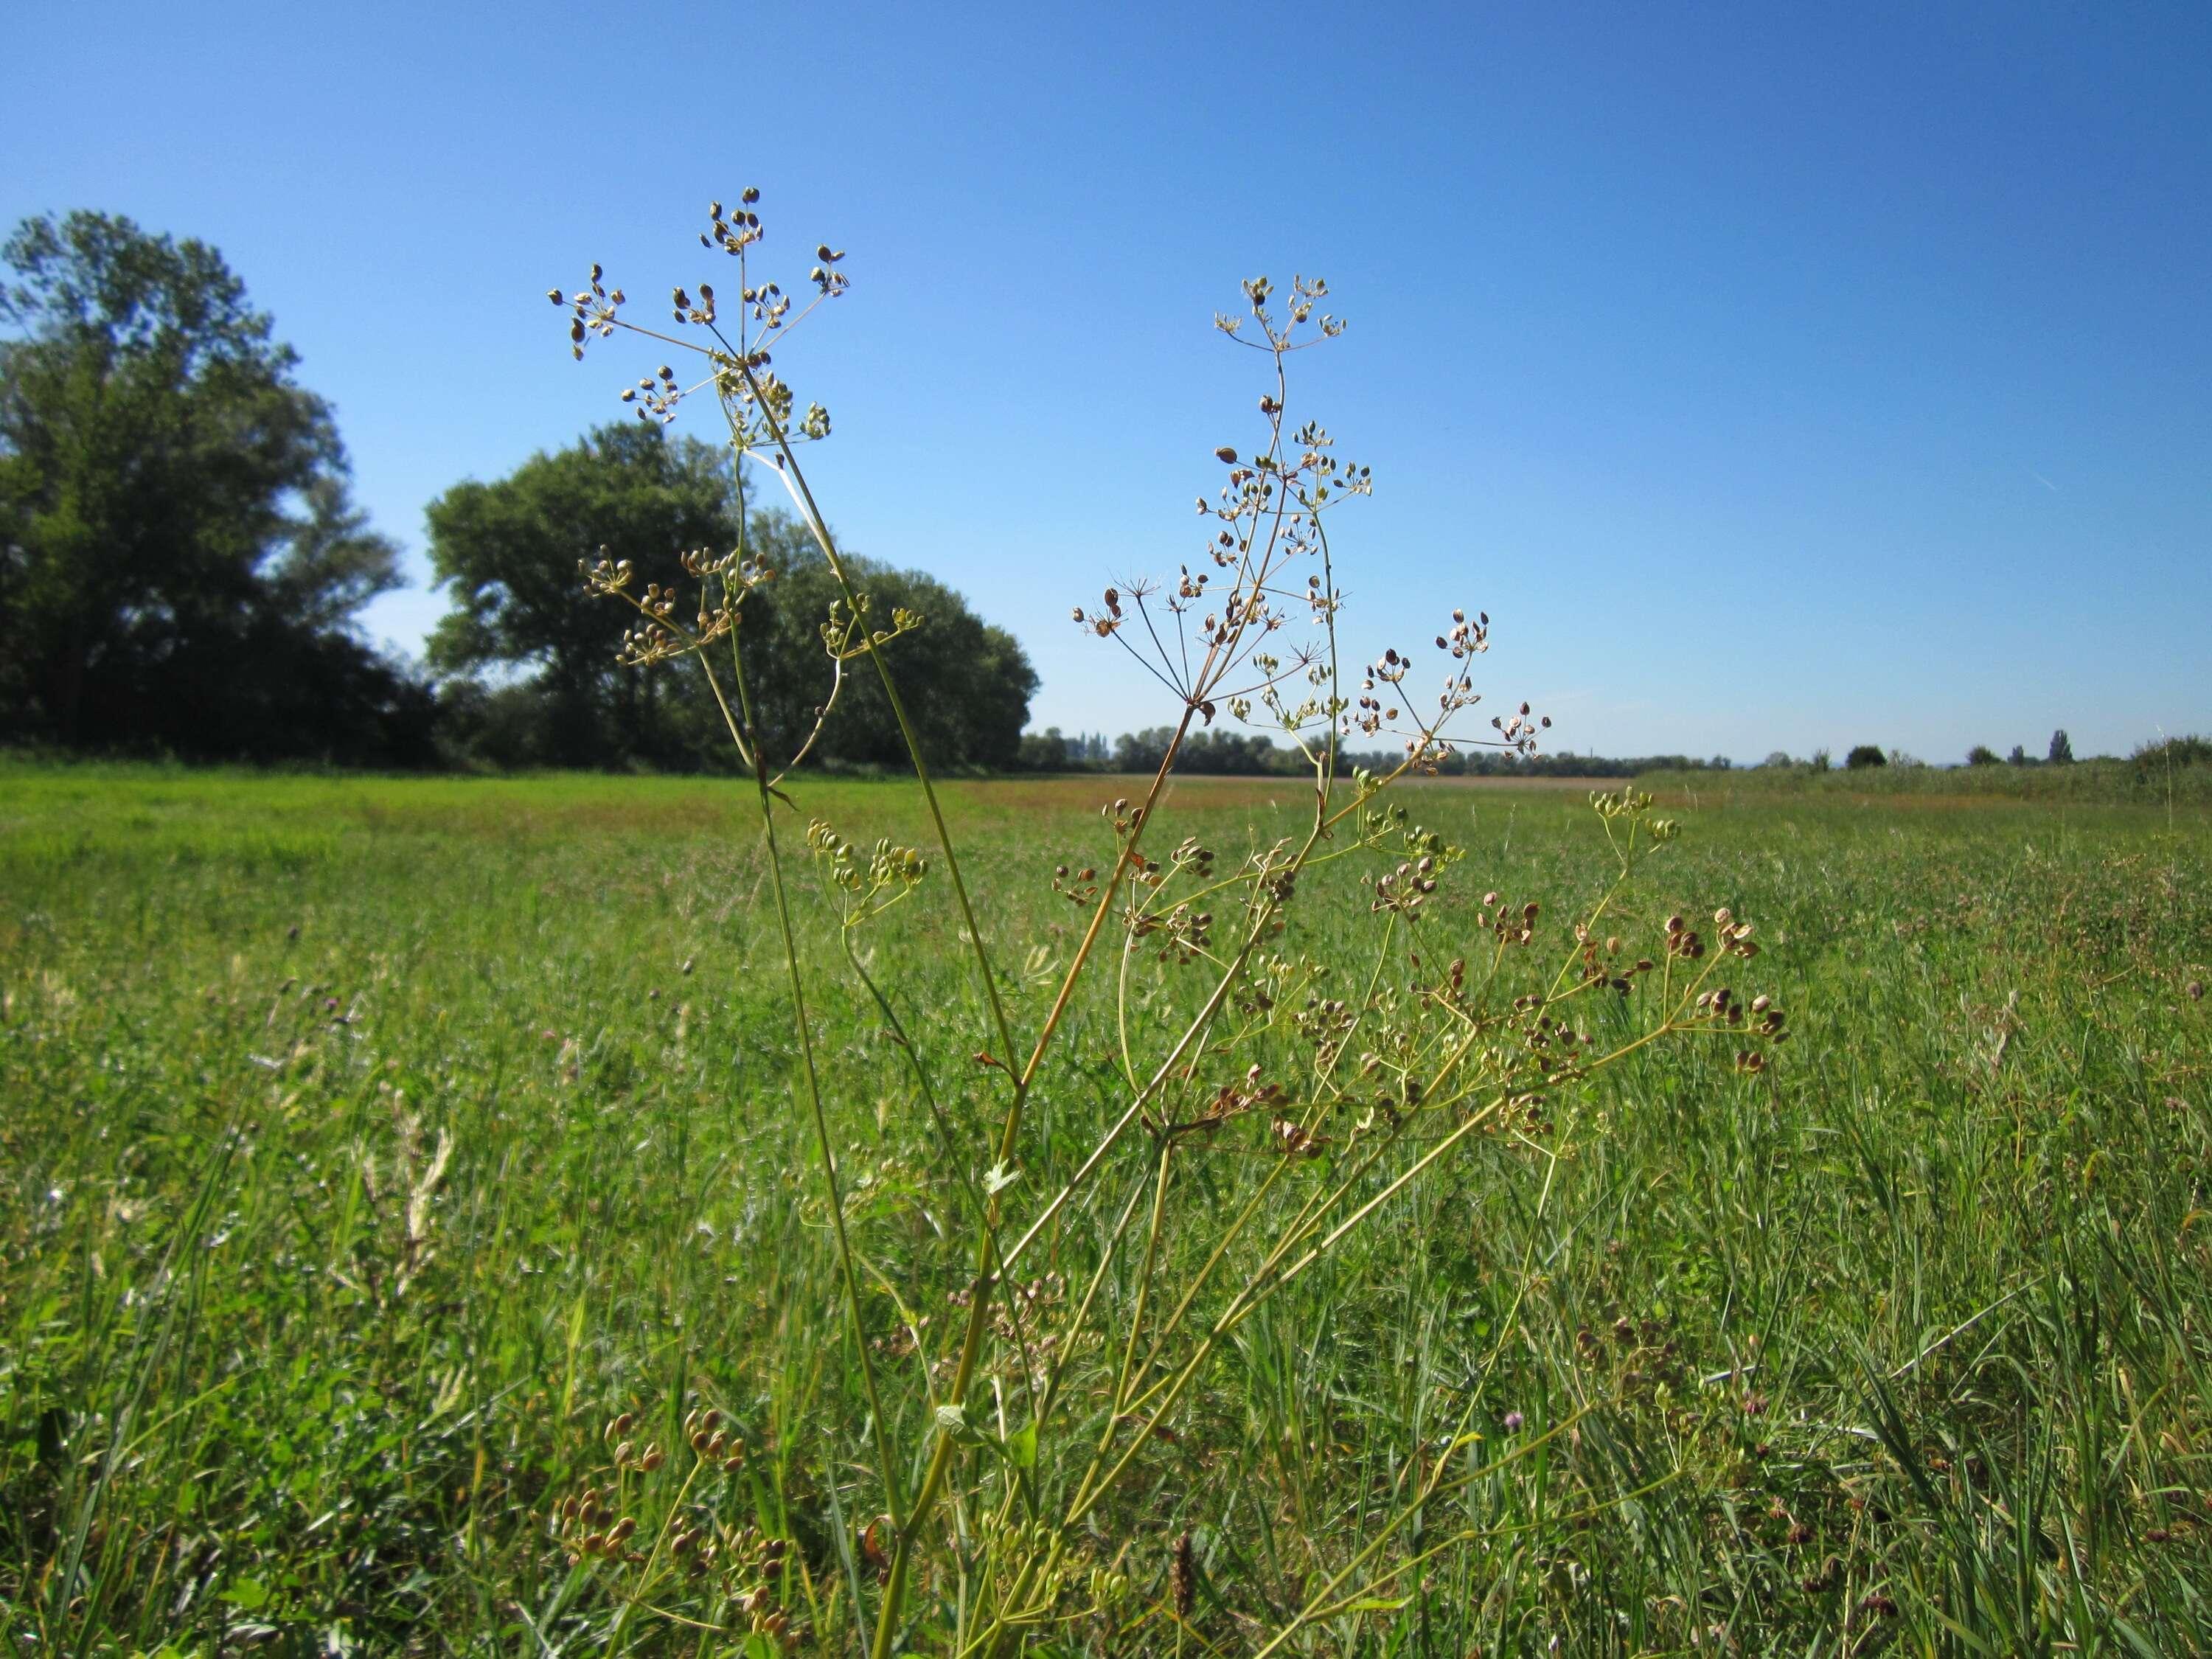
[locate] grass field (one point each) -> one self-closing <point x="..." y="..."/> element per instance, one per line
<point x="2156" y="780"/>
<point x="369" y="1144"/>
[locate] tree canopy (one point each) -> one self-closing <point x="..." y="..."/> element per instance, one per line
<point x="537" y="653"/>
<point x="507" y="553"/>
<point x="180" y="561"/>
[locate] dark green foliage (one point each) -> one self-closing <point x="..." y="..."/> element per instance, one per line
<point x="2062" y="749"/>
<point x="968" y="684"/>
<point x="535" y="654"/>
<point x="1221" y="752"/>
<point x="507" y="554"/>
<point x="1981" y="755"/>
<point x="2175" y="752"/>
<point x="179" y="560"/>
<point x="1048" y="750"/>
<point x="1863" y="756"/>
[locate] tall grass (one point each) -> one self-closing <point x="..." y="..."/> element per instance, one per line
<point x="1958" y="1220"/>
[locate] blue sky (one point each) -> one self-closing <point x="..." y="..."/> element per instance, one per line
<point x="1773" y="377"/>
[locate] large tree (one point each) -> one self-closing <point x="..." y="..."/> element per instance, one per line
<point x="966" y="684"/>
<point x="551" y="690"/>
<point x="177" y="549"/>
<point x="507" y="553"/>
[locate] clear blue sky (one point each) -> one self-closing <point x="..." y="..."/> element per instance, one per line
<point x="1774" y="377"/>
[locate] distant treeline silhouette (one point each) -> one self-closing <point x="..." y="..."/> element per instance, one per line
<point x="1231" y="754"/>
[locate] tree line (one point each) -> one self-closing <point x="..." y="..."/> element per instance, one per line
<point x="1231" y="754"/>
<point x="183" y="569"/>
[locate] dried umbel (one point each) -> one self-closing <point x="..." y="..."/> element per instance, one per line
<point x="738" y="370"/>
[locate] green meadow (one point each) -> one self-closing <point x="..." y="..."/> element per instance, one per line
<point x="367" y="1144"/>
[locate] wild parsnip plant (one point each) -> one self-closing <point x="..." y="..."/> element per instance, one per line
<point x="1007" y="1452"/>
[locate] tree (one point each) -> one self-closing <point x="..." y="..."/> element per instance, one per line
<point x="2189" y="750"/>
<point x="1045" y="751"/>
<point x="1864" y="756"/>
<point x="1217" y="753"/>
<point x="967" y="685"/>
<point x="175" y="534"/>
<point x="2062" y="749"/>
<point x="1981" y="755"/>
<point x="508" y="552"/>
<point x="2018" y="757"/>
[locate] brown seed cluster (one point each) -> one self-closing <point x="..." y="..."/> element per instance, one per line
<point x="1183" y="1578"/>
<point x="591" y="309"/>
<point x="1325" y="1022"/>
<point x="761" y="406"/>
<point x="1400" y="891"/>
<point x="1510" y="926"/>
<point x="712" y="1443"/>
<point x="1203" y="638"/>
<point x="601" y="1523"/>
<point x="1232" y="1100"/>
<point x="587" y="1525"/>
<point x="1600" y="964"/>
<point x="1683" y="941"/>
<point x="724" y="579"/>
<point x="1104" y="623"/>
<point x="1080" y="887"/>
<point x="1178" y="935"/>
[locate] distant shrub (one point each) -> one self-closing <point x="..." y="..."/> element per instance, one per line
<point x="1863" y="756"/>
<point x="2191" y="751"/>
<point x="1981" y="755"/>
<point x="2062" y="748"/>
<point x="1044" y="752"/>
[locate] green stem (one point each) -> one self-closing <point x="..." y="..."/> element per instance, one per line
<point x="887" y="1468"/>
